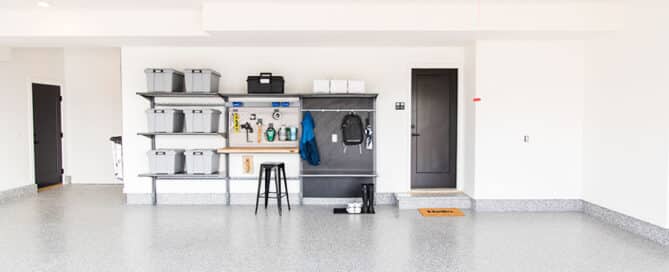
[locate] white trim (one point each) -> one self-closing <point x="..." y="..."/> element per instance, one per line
<point x="31" y="148"/>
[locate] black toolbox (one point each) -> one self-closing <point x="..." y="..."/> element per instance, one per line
<point x="265" y="83"/>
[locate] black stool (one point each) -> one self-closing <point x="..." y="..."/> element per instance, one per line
<point x="279" y="171"/>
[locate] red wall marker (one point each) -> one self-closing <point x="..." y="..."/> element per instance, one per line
<point x="477" y="99"/>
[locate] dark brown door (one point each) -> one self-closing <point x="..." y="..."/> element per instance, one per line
<point x="434" y="127"/>
<point x="47" y="135"/>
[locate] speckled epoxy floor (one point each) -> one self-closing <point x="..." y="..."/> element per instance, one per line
<point x="88" y="228"/>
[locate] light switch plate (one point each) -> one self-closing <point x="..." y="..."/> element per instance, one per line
<point x="335" y="138"/>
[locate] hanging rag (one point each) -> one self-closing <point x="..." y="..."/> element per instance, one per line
<point x="308" y="147"/>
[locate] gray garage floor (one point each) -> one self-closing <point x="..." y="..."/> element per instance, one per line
<point x="88" y="228"/>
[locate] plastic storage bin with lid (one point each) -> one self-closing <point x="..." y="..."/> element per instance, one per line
<point x="165" y="120"/>
<point x="202" y="161"/>
<point x="202" y="120"/>
<point x="164" y="80"/>
<point x="202" y="80"/>
<point x="166" y="161"/>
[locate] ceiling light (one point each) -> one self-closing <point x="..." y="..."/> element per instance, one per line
<point x="43" y="4"/>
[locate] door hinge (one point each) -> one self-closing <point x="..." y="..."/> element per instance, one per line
<point x="60" y="98"/>
<point x="62" y="171"/>
<point x="61" y="135"/>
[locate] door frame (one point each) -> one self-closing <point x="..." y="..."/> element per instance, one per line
<point x="456" y="125"/>
<point x="465" y="112"/>
<point x="30" y="126"/>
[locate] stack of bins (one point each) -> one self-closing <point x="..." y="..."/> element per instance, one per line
<point x="202" y="120"/>
<point x="202" y="161"/>
<point x="165" y="120"/>
<point x="164" y="80"/>
<point x="166" y="161"/>
<point x="202" y="80"/>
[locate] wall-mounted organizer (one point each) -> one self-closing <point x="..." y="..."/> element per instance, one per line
<point x="264" y="121"/>
<point x="343" y="168"/>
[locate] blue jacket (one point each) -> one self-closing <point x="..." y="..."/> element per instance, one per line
<point x="308" y="146"/>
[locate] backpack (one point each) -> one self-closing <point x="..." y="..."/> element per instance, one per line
<point x="352" y="130"/>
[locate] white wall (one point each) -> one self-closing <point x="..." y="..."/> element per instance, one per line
<point x="16" y="142"/>
<point x="532" y="88"/>
<point x="386" y="70"/>
<point x="626" y="137"/>
<point x="468" y="124"/>
<point x="92" y="112"/>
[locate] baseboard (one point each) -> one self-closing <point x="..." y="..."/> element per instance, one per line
<point x="193" y="199"/>
<point x="99" y="182"/>
<point x="19" y="192"/>
<point x="409" y="201"/>
<point x="527" y="205"/>
<point x="250" y="199"/>
<point x="628" y="223"/>
<point x="379" y="199"/>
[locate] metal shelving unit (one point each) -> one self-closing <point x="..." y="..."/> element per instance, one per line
<point x="151" y="97"/>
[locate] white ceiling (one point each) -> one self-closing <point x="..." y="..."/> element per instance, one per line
<point x="194" y="4"/>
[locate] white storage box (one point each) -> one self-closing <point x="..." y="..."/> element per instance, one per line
<point x="164" y="80"/>
<point x="321" y="86"/>
<point x="356" y="86"/>
<point x="166" y="161"/>
<point x="338" y="86"/>
<point x="202" y="161"/>
<point x="165" y="120"/>
<point x="202" y="80"/>
<point x="202" y="120"/>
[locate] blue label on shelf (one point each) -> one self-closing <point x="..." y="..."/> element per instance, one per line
<point x="276" y="104"/>
<point x="285" y="104"/>
<point x="237" y="104"/>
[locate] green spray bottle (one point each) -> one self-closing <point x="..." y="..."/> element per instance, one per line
<point x="270" y="133"/>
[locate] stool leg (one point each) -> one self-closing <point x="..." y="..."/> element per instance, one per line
<point x="277" y="183"/>
<point x="285" y="182"/>
<point x="258" y="193"/>
<point x="268" y="173"/>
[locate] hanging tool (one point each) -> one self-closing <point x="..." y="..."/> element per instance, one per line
<point x="271" y="132"/>
<point x="259" y="125"/>
<point x="369" y="132"/>
<point x="246" y="126"/>
<point x="235" y="122"/>
<point x="276" y="114"/>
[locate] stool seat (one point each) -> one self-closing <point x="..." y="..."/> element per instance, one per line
<point x="275" y="164"/>
<point x="279" y="169"/>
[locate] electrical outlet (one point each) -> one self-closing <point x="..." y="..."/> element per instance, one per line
<point x="335" y="138"/>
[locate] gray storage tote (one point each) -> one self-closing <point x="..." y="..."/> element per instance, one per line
<point x="166" y="161"/>
<point x="202" y="161"/>
<point x="202" y="120"/>
<point x="202" y="80"/>
<point x="165" y="120"/>
<point x="164" y="80"/>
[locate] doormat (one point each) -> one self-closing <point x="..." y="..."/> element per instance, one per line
<point x="430" y="212"/>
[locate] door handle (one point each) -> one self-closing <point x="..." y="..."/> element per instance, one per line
<point x="36" y="142"/>
<point x="415" y="134"/>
